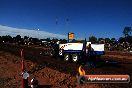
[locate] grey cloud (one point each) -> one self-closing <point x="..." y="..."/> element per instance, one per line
<point x="5" y="30"/>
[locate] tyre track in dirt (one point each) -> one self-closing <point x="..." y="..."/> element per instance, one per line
<point x="33" y="55"/>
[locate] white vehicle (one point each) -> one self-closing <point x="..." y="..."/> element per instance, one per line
<point x="76" y="51"/>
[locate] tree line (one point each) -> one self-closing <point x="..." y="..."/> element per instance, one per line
<point x="127" y="37"/>
<point x="127" y="32"/>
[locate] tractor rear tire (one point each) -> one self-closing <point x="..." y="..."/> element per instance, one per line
<point x="75" y="58"/>
<point x="66" y="57"/>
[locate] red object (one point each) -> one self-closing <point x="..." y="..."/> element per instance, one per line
<point x="22" y="66"/>
<point x="22" y="63"/>
<point x="22" y="60"/>
<point x="22" y="74"/>
<point x="22" y="82"/>
<point x="21" y="52"/>
<point x="25" y="75"/>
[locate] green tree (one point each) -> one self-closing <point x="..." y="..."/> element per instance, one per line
<point x="0" y="39"/>
<point x="54" y="39"/>
<point x="122" y="39"/>
<point x="63" y="41"/>
<point x="113" y="39"/>
<point x="6" y="38"/>
<point x="128" y="39"/>
<point x="100" y="39"/>
<point x="48" y="39"/>
<point x="25" y="37"/>
<point x="107" y="40"/>
<point x="127" y="31"/>
<point x="93" y="39"/>
<point x="18" y="38"/>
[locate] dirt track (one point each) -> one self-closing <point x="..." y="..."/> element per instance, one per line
<point x="54" y="72"/>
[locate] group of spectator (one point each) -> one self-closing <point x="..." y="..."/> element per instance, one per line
<point x="117" y="46"/>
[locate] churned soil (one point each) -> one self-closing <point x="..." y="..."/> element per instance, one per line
<point x="54" y="72"/>
<point x="10" y="71"/>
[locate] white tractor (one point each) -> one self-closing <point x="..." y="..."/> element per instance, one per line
<point x="76" y="51"/>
